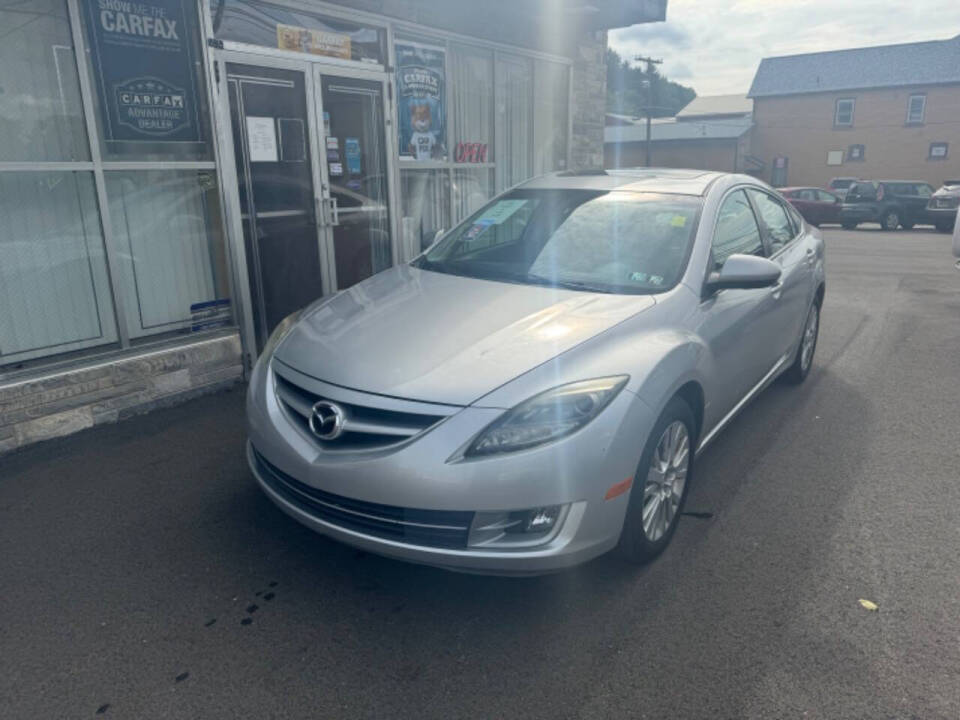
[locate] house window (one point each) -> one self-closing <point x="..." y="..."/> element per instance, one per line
<point x="843" y="113"/>
<point x="916" y="107"/>
<point x="938" y="151"/>
<point x="855" y="153"/>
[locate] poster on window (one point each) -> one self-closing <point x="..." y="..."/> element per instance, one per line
<point x="144" y="67"/>
<point x="420" y="101"/>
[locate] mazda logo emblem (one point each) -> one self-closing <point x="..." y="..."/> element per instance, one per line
<point x="326" y="420"/>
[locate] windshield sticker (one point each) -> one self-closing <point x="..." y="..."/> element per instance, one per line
<point x="477" y="229"/>
<point x="639" y="277"/>
<point x="501" y="211"/>
<point x="656" y="280"/>
<point x="679" y="220"/>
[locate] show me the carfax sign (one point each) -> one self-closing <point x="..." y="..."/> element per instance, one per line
<point x="143" y="61"/>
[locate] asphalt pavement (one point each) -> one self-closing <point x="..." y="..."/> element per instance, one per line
<point x="144" y="575"/>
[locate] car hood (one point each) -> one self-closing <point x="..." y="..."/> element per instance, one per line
<point x="441" y="338"/>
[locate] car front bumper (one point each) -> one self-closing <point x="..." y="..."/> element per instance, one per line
<point x="366" y="499"/>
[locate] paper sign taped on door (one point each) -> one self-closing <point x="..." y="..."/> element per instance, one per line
<point x="261" y="139"/>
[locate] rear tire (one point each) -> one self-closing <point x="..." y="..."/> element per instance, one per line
<point x="803" y="360"/>
<point x="945" y="227"/>
<point x="656" y="492"/>
<point x="848" y="225"/>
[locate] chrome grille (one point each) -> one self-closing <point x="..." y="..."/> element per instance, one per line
<point x="366" y="426"/>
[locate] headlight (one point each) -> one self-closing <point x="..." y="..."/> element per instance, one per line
<point x="280" y="332"/>
<point x="547" y="417"/>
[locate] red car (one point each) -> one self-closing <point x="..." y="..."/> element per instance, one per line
<point x="817" y="206"/>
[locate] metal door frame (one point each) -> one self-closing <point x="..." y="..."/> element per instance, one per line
<point x="231" y="180"/>
<point x="390" y="171"/>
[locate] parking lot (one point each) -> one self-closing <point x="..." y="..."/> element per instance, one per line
<point x="144" y="575"/>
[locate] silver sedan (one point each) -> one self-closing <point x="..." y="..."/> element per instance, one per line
<point x="533" y="390"/>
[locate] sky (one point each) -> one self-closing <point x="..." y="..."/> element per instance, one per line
<point x="715" y="46"/>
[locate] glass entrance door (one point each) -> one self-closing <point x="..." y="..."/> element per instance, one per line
<point x="355" y="164"/>
<point x="273" y="146"/>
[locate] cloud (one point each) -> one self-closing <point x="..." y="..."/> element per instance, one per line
<point x="716" y="45"/>
<point x="674" y="36"/>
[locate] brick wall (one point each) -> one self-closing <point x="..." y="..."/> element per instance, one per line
<point x="800" y="127"/>
<point x="64" y="402"/>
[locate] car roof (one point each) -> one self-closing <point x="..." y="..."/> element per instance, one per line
<point x="906" y="182"/>
<point x="665" y="180"/>
<point x="802" y="187"/>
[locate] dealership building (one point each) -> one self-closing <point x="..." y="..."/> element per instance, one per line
<point x="177" y="176"/>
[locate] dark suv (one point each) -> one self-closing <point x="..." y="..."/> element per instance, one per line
<point x="892" y="203"/>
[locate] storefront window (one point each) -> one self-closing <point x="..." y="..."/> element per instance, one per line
<point x="54" y="286"/>
<point x="260" y="23"/>
<point x="472" y="98"/>
<point x="148" y="80"/>
<point x="515" y="92"/>
<point x="550" y="110"/>
<point x="41" y="117"/>
<point x="425" y="199"/>
<point x="172" y="261"/>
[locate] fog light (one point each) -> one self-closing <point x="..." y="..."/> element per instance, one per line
<point x="541" y="519"/>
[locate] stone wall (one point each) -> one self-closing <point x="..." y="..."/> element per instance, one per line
<point x="64" y="402"/>
<point x="589" y="100"/>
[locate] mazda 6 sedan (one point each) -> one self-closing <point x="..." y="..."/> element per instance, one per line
<point x="533" y="390"/>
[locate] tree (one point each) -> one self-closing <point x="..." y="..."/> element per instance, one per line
<point x="630" y="90"/>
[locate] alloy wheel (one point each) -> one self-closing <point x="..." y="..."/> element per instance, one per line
<point x="809" y="338"/>
<point x="666" y="479"/>
<point x="891" y="221"/>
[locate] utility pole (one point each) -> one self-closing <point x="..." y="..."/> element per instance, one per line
<point x="650" y="104"/>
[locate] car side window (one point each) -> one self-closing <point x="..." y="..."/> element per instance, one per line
<point x="775" y="218"/>
<point x="924" y="191"/>
<point x="737" y="231"/>
<point x="807" y="195"/>
<point x="826" y="197"/>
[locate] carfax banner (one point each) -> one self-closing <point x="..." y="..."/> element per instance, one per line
<point x="143" y="62"/>
<point x="421" y="103"/>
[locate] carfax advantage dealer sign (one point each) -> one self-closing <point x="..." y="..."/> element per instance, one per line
<point x="143" y="61"/>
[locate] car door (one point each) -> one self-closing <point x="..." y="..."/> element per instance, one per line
<point x="791" y="297"/>
<point x="734" y="323"/>
<point x="922" y="195"/>
<point x="829" y="206"/>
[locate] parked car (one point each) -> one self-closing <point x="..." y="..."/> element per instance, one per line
<point x="817" y="206"/>
<point x="532" y="391"/>
<point x="892" y="203"/>
<point x="942" y="208"/>
<point x="840" y="185"/>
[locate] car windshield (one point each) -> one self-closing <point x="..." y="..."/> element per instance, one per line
<point x="599" y="241"/>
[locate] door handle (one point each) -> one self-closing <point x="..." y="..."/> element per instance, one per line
<point x="334" y="212"/>
<point x="811" y="256"/>
<point x="327" y="212"/>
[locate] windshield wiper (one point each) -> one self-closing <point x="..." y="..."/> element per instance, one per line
<point x="568" y="284"/>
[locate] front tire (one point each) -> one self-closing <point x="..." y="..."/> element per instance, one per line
<point x="660" y="485"/>
<point x="848" y="225"/>
<point x="803" y="361"/>
<point x="890" y="220"/>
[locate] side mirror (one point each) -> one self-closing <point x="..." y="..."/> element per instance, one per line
<point x="438" y="235"/>
<point x="743" y="272"/>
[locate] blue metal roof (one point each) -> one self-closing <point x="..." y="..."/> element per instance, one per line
<point x="922" y="63"/>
